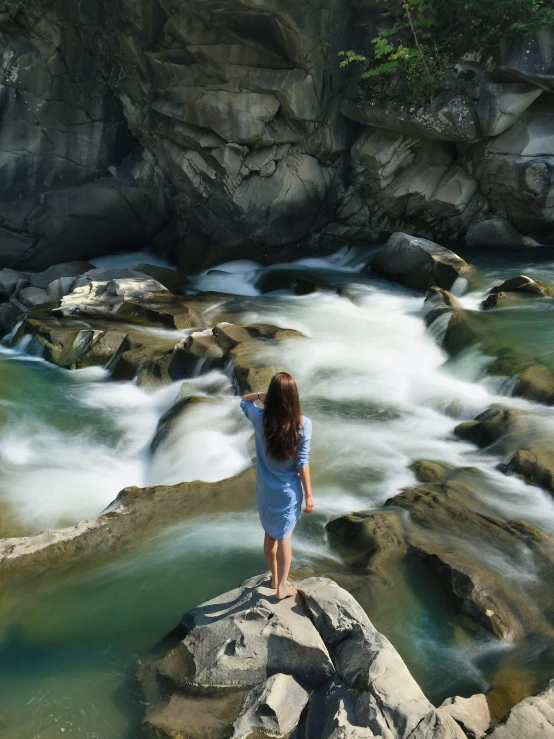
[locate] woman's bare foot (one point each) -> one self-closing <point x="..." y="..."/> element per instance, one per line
<point x="274" y="584"/>
<point x="288" y="591"/>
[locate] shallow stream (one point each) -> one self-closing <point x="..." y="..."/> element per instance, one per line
<point x="379" y="391"/>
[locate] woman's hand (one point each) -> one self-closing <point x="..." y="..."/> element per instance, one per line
<point x="310" y="505"/>
<point x="262" y="397"/>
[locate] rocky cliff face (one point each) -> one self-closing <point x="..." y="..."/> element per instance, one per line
<point x="217" y="128"/>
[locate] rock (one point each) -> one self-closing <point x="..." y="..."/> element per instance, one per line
<point x="169" y="278"/>
<point x="260" y="636"/>
<point x="135" y="509"/>
<point x="33" y="296"/>
<point x="471" y="713"/>
<point x="391" y="702"/>
<point x="446" y="118"/>
<point x="536" y="383"/>
<point x="168" y="421"/>
<point x="203" y="345"/>
<point x="11" y="282"/>
<point x="105" y="350"/>
<point x="530" y="58"/>
<point x="499" y="105"/>
<point x="452" y="508"/>
<point x="11" y="313"/>
<point x="535" y="466"/>
<point x="521" y="287"/>
<point x="360" y="536"/>
<point x="418" y="263"/>
<point x="272" y="708"/>
<point x="332" y="713"/>
<point x="493" y="232"/>
<point x="103" y="299"/>
<point x="438" y="724"/>
<point x="248" y="639"/>
<point x="228" y="336"/>
<point x="60" y="287"/>
<point x="57" y="271"/>
<point x="427" y="471"/>
<point x="497" y="423"/>
<point x="513" y="172"/>
<point x="533" y="717"/>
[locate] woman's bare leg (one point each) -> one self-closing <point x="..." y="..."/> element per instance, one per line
<point x="270" y="551"/>
<point x="284" y="559"/>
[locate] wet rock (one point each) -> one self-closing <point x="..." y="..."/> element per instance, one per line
<point x="452" y="508"/>
<point x="57" y="271"/>
<point x="33" y="296"/>
<point x="228" y="336"/>
<point x="11" y="282"/>
<point x="135" y="509"/>
<point x="493" y="232"/>
<point x="521" y="287"/>
<point x="203" y="345"/>
<point x="272" y="708"/>
<point x="105" y="350"/>
<point x="361" y="536"/>
<point x="11" y="313"/>
<point x="533" y="717"/>
<point x="472" y="714"/>
<point x="427" y="471"/>
<point x="497" y="423"/>
<point x="418" y="263"/>
<point x="206" y="717"/>
<point x="173" y="416"/>
<point x="535" y="466"/>
<point x="536" y="383"/>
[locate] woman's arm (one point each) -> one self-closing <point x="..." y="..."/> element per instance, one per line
<point x="304" y="473"/>
<point x="253" y="397"/>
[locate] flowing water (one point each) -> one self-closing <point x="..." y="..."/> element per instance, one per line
<point x="379" y="391"/>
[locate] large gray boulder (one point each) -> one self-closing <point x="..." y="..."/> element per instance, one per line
<point x="493" y="232"/>
<point x="418" y="263"/>
<point x="11" y="282"/>
<point x="533" y="717"/>
<point x="320" y="642"/>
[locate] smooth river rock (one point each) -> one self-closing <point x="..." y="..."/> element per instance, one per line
<point x="418" y="263"/>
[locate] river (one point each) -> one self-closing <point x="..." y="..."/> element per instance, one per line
<point x="379" y="391"/>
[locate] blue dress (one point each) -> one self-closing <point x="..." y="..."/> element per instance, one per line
<point x="278" y="486"/>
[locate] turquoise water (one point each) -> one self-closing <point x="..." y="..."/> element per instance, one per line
<point x="378" y="390"/>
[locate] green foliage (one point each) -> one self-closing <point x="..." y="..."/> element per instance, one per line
<point x="168" y="44"/>
<point x="427" y="37"/>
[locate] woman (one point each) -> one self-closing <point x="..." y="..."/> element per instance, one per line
<point x="283" y="453"/>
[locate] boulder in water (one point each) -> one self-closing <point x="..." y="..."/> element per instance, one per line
<point x="320" y="641"/>
<point x="536" y="383"/>
<point x="508" y="425"/>
<point x="535" y="466"/>
<point x="516" y="289"/>
<point x="418" y="263"/>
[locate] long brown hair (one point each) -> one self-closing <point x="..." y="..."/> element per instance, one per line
<point x="282" y="417"/>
